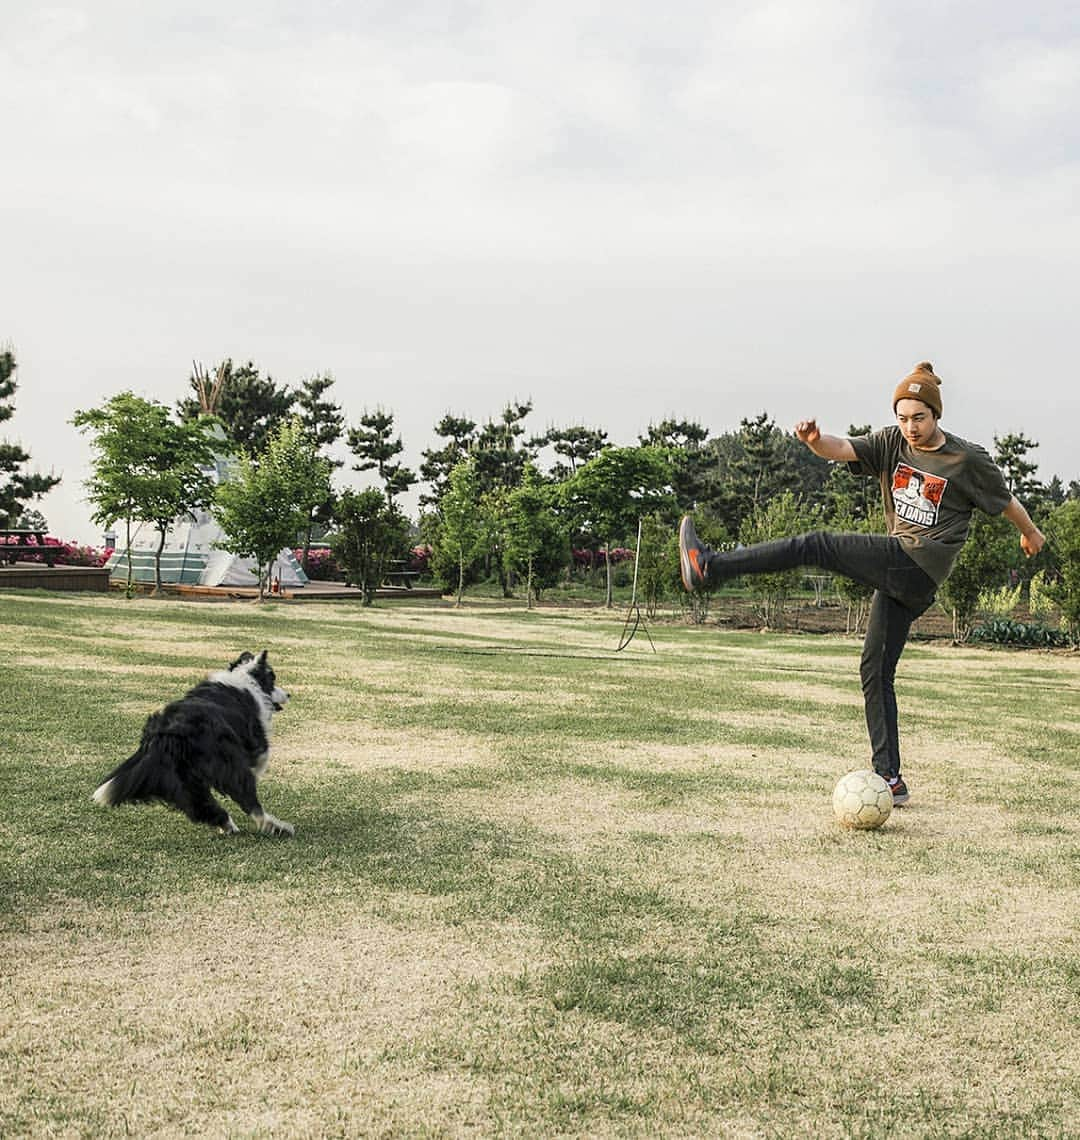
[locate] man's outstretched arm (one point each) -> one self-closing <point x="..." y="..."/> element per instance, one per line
<point x="1031" y="538"/>
<point x="835" y="447"/>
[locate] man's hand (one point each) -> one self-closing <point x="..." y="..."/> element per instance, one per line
<point x="808" y="432"/>
<point x="1032" y="542"/>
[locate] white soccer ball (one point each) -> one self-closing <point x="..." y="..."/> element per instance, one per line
<point x="862" y="799"/>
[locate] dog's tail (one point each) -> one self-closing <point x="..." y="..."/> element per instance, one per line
<point x="149" y="774"/>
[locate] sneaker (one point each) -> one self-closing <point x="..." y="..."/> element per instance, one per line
<point x="900" y="793"/>
<point x="692" y="563"/>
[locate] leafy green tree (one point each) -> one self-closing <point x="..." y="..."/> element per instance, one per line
<point x="251" y="407"/>
<point x="1063" y="532"/>
<point x="371" y="532"/>
<point x="461" y="535"/>
<point x="755" y="464"/>
<point x="324" y="425"/>
<point x="375" y="447"/>
<point x="147" y="467"/>
<point x="611" y="492"/>
<point x="983" y="564"/>
<point x="683" y="441"/>
<point x="846" y="519"/>
<point x="267" y="498"/>
<point x="781" y="517"/>
<point x="658" y="561"/>
<point x="535" y="543"/>
<point x="17" y="487"/>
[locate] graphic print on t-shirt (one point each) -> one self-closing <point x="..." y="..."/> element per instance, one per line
<point x="917" y="495"/>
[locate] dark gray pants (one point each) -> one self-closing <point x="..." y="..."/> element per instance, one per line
<point x="903" y="591"/>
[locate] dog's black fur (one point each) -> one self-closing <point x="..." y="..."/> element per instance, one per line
<point x="217" y="737"/>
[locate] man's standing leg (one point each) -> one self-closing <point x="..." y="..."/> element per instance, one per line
<point x="886" y="635"/>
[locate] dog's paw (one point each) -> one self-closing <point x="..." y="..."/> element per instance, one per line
<point x="271" y="825"/>
<point x="228" y="827"/>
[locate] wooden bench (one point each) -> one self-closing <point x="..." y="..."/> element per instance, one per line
<point x="11" y="551"/>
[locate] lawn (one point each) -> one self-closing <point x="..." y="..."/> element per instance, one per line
<point x="538" y="887"/>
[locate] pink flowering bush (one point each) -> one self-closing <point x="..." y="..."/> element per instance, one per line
<point x="420" y="559"/>
<point x="322" y="566"/>
<point x="583" y="558"/>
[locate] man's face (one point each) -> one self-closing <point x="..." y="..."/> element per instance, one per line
<point x="916" y="421"/>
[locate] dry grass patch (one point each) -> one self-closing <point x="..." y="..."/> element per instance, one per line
<point x="197" y="1017"/>
<point x="357" y="747"/>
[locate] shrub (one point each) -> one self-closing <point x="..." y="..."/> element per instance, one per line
<point x="1040" y="600"/>
<point x="322" y="565"/>
<point x="999" y="604"/>
<point x="1028" y="635"/>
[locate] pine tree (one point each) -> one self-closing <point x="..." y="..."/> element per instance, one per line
<point x="374" y="445"/>
<point x="17" y="487"/>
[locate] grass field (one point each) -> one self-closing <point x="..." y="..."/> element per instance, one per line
<point x="537" y="887"/>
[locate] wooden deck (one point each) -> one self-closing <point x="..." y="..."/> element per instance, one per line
<point x="35" y="576"/>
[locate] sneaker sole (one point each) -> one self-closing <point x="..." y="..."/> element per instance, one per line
<point x="685" y="566"/>
<point x="899" y="801"/>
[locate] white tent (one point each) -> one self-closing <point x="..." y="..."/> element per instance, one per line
<point x="189" y="557"/>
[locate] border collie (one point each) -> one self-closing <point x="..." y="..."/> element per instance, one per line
<point x="217" y="737"/>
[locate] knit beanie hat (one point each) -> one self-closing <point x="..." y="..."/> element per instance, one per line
<point x="923" y="385"/>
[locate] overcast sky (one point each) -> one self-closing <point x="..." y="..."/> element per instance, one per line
<point x="623" y="210"/>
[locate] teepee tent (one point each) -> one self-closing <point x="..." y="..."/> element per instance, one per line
<point x="190" y="555"/>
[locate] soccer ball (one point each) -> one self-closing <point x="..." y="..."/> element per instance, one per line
<point x="862" y="799"/>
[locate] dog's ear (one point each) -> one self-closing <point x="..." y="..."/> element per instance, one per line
<point x="262" y="657"/>
<point x="243" y="659"/>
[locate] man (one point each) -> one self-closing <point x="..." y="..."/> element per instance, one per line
<point x="931" y="481"/>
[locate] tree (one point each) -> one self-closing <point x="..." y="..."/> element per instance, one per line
<point x="147" y="467"/>
<point x="658" y="561"/>
<point x="577" y="445"/>
<point x="373" y="444"/>
<point x="1064" y="588"/>
<point x="371" y="531"/>
<point x="264" y="503"/>
<point x="500" y="460"/>
<point x="757" y="463"/>
<point x="535" y="542"/>
<point x="251" y="407"/>
<point x="32" y="519"/>
<point x="461" y="532"/>
<point x="1010" y="454"/>
<point x="439" y="462"/>
<point x="849" y="499"/>
<point x="324" y="425"/>
<point x="781" y="517"/>
<point x="683" y="441"/>
<point x="611" y="492"/>
<point x="17" y="487"/>
<point x="983" y="564"/>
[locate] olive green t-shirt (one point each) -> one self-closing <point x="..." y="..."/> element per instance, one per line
<point x="929" y="495"/>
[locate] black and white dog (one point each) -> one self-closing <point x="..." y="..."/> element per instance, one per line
<point x="215" y="737"/>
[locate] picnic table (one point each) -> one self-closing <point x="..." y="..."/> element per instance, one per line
<point x="399" y="574"/>
<point x="14" y="543"/>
